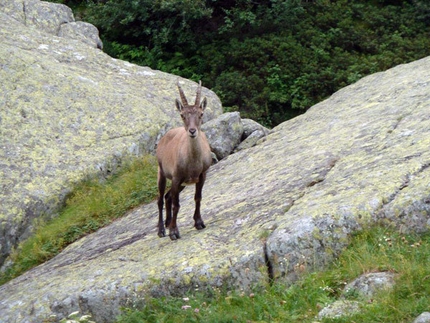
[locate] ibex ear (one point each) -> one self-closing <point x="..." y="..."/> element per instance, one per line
<point x="204" y="103"/>
<point x="179" y="105"/>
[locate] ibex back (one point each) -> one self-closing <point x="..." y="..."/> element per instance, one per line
<point x="183" y="156"/>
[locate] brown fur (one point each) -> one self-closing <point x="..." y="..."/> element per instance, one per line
<point x="183" y="156"/>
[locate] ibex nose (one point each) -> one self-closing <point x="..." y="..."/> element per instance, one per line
<point x="192" y="131"/>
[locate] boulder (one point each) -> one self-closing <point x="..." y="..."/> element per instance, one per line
<point x="46" y="16"/>
<point x="67" y="111"/>
<point x="365" y="287"/>
<point x="224" y="133"/>
<point x="42" y="15"/>
<point x="252" y="133"/>
<point x="83" y="31"/>
<point x="250" y="126"/>
<point x="423" y="318"/>
<point x="361" y="157"/>
<point x="53" y="18"/>
<point x="338" y="309"/>
<point x="369" y="284"/>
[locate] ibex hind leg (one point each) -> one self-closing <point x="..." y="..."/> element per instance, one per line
<point x="198" y="221"/>
<point x="161" y="189"/>
<point x="168" y="199"/>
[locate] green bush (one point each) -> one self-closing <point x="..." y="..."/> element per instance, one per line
<point x="271" y="59"/>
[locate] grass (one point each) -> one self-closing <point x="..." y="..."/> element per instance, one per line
<point x="91" y="205"/>
<point x="375" y="250"/>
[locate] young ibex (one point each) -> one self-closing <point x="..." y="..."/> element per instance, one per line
<point x="183" y="156"/>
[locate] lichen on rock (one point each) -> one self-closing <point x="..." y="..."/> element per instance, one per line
<point x="68" y="111"/>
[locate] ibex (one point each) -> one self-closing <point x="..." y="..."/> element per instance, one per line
<point x="183" y="156"/>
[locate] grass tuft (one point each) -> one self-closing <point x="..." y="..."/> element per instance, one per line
<point x="377" y="249"/>
<point x="91" y="205"/>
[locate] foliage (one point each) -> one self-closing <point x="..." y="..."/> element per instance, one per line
<point x="376" y="249"/>
<point x="91" y="205"/>
<point x="269" y="59"/>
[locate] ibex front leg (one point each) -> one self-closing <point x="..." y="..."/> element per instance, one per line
<point x="198" y="221"/>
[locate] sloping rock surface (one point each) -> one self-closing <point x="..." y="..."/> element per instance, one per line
<point x="68" y="110"/>
<point x="359" y="158"/>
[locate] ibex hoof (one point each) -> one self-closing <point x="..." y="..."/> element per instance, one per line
<point x="199" y="225"/>
<point x="174" y="235"/>
<point x="161" y="233"/>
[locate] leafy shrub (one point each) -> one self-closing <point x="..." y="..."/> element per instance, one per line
<point x="270" y="59"/>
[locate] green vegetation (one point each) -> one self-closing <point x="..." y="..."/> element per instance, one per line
<point x="269" y="59"/>
<point x="374" y="250"/>
<point x="91" y="205"/>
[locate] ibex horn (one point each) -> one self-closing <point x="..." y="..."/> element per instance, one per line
<point x="182" y="95"/>
<point x="199" y="92"/>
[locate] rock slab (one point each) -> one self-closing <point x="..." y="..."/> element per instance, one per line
<point x="67" y="110"/>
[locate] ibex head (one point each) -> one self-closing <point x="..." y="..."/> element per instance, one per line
<point x="191" y="114"/>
